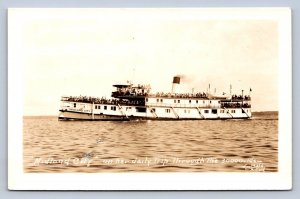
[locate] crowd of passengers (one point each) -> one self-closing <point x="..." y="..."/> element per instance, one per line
<point x="182" y="95"/>
<point x="176" y="95"/>
<point x="235" y="105"/>
<point x="162" y="94"/>
<point x="240" y="97"/>
<point x="140" y="90"/>
<point x="103" y="100"/>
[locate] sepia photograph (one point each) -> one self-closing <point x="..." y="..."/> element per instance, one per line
<point x="150" y="92"/>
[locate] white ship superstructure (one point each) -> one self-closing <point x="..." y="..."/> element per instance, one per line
<point x="136" y="102"/>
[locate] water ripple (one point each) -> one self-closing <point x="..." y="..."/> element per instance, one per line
<point x="155" y="146"/>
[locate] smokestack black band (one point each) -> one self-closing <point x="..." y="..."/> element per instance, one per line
<point x="176" y="80"/>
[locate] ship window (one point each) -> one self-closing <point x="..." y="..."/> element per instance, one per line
<point x="105" y="107"/>
<point x="168" y="110"/>
<point x="247" y="110"/>
<point x="99" y="107"/>
<point x="174" y="101"/>
<point x="221" y="111"/>
<point x="190" y="101"/>
<point x="206" y="111"/>
<point x="146" y="99"/>
<point x="178" y="101"/>
<point x="197" y="101"/>
<point x="214" y="111"/>
<point x="157" y="100"/>
<point x="140" y="109"/>
<point x="74" y="105"/>
<point x="153" y="110"/>
<point x="232" y="111"/>
<point x="210" y="101"/>
<point x="203" y="102"/>
<point x="161" y="100"/>
<point x="219" y="102"/>
<point x="96" y="106"/>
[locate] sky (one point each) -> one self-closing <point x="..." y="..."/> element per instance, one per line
<point x="86" y="51"/>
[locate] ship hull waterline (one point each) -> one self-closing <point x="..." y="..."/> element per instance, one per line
<point x="78" y="116"/>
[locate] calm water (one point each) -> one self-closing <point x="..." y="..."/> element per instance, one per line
<point x="157" y="146"/>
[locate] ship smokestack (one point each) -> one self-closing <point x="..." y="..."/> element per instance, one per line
<point x="176" y="81"/>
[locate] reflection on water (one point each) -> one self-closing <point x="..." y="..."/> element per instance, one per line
<point x="157" y="146"/>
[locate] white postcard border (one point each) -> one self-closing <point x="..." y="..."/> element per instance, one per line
<point x="18" y="180"/>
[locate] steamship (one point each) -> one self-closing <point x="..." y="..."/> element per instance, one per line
<point x="136" y="102"/>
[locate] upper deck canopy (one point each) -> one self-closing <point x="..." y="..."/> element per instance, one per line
<point x="122" y="85"/>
